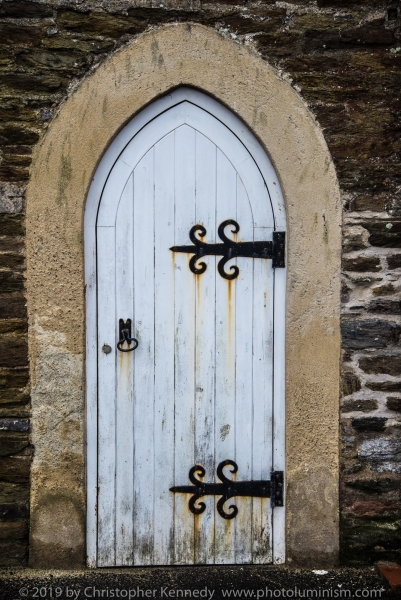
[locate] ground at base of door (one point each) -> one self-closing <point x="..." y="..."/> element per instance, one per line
<point x="202" y="582"/>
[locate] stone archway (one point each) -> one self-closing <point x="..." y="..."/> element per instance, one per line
<point x="62" y="171"/>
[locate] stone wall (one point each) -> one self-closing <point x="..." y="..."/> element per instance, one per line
<point x="344" y="59"/>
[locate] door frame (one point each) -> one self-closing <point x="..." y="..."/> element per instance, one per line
<point x="63" y="165"/>
<point x="101" y="175"/>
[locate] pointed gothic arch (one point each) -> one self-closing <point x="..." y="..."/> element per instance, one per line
<point x="64" y="164"/>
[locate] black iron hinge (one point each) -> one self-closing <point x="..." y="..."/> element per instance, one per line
<point x="229" y="249"/>
<point x="228" y="488"/>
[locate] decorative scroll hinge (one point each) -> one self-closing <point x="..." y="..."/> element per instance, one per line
<point x="272" y="489"/>
<point x="231" y="249"/>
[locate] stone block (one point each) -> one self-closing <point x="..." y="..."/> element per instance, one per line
<point x="14" y="109"/>
<point x="16" y="468"/>
<point x="377" y="484"/>
<point x="361" y="263"/>
<point x="22" y="409"/>
<point x="21" y="34"/>
<point x="63" y="41"/>
<point x="350" y="383"/>
<point x="355" y="238"/>
<point x="384" y="306"/>
<point x="12" y="442"/>
<point x="393" y="207"/>
<point x="373" y="202"/>
<point x="394" y="403"/>
<point x="12" y="83"/>
<point x="384" y="386"/>
<point x="13" y="510"/>
<point x="13" y="326"/>
<point x="12" y="224"/>
<point x="394" y="261"/>
<point x="13" y="530"/>
<point x="14" y="424"/>
<point x="13" y="378"/>
<point x="12" y="493"/>
<point x="359" y="405"/>
<point x="11" y="198"/>
<point x="18" y="9"/>
<point x="14" y="553"/>
<point x="391" y="365"/>
<point x="374" y="508"/>
<point x="97" y="23"/>
<point x="382" y="454"/>
<point x="14" y="351"/>
<point x="368" y="423"/>
<point x="386" y="234"/>
<point x="13" y="306"/>
<point x="387" y="288"/>
<point x="359" y="334"/>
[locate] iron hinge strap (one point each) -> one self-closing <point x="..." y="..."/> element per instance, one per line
<point x="229" y="249"/>
<point x="278" y="249"/>
<point x="229" y="488"/>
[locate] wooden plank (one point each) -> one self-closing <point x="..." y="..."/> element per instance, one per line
<point x="91" y="393"/>
<point x="243" y="379"/>
<point x="144" y="361"/>
<point x="279" y="409"/>
<point x="184" y="327"/>
<point x="164" y="352"/>
<point x="236" y="152"/>
<point x="263" y="392"/>
<point x="205" y="344"/>
<point x="106" y="396"/>
<point x="225" y="358"/>
<point x="125" y="379"/>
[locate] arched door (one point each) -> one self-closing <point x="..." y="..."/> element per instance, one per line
<point x="200" y="399"/>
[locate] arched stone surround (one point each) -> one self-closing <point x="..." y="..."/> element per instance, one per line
<point x="64" y="163"/>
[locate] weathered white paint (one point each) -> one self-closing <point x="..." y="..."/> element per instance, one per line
<point x="199" y="388"/>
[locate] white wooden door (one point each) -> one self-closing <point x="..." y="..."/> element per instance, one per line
<point x="199" y="388"/>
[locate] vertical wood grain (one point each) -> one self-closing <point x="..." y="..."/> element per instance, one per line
<point x="144" y="298"/>
<point x="184" y="341"/>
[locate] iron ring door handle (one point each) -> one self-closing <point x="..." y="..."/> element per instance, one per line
<point x="124" y="328"/>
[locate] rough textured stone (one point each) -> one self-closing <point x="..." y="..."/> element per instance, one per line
<point x="10" y="493"/>
<point x="386" y="234"/>
<point x="12" y="442"/>
<point x="11" y="224"/>
<point x="14" y="424"/>
<point x="373" y="508"/>
<point x="361" y="263"/>
<point x="14" y="351"/>
<point x="384" y="386"/>
<point x="16" y="468"/>
<point x="11" y="197"/>
<point x="24" y="9"/>
<point x="381" y="484"/>
<point x="13" y="306"/>
<point x="394" y="403"/>
<point x="13" y="510"/>
<point x="382" y="454"/>
<point x="369" y="423"/>
<point x="381" y="364"/>
<point x="350" y="383"/>
<point x="357" y="334"/>
<point x="389" y="307"/>
<point x="359" y="405"/>
<point x="387" y="288"/>
<point x="394" y="261"/>
<point x="355" y="238"/>
<point x="13" y="530"/>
